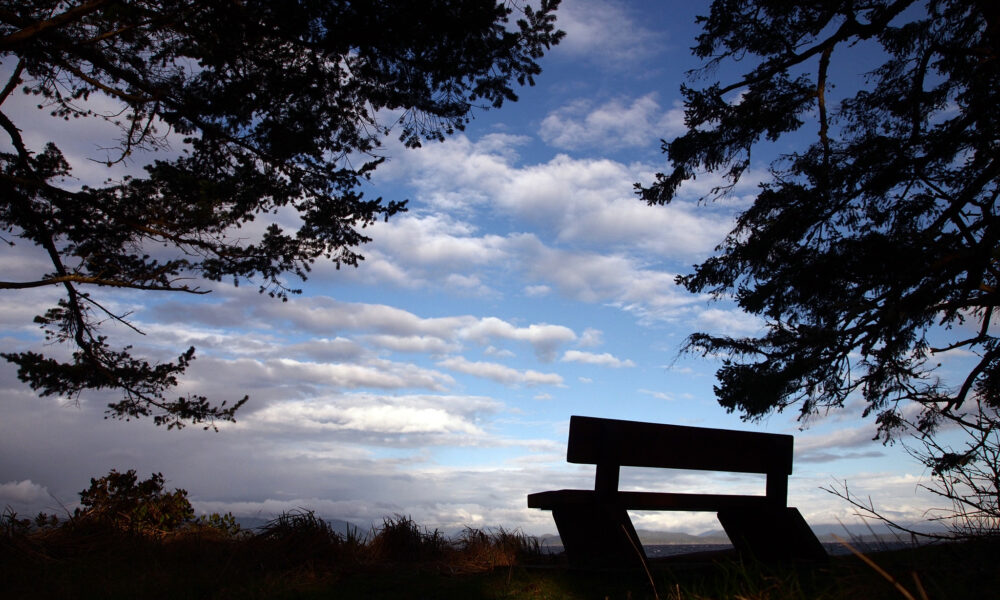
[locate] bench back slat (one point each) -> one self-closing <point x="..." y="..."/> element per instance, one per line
<point x="635" y="444"/>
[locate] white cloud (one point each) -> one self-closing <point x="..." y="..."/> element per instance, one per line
<point x="24" y="262"/>
<point x="591" y="338"/>
<point x="395" y="328"/>
<point x="604" y="32"/>
<point x="498" y="352"/>
<point x="22" y="492"/>
<point x="436" y="241"/>
<point x="537" y="291"/>
<point x="423" y="344"/>
<point x="616" y="279"/>
<point x="613" y="125"/>
<point x="853" y="442"/>
<point x="321" y="314"/>
<point x="500" y="373"/>
<point x="605" y="359"/>
<point x="19" y="308"/>
<point x="468" y="284"/>
<point x="586" y="202"/>
<point x="729" y="322"/>
<point x="544" y="338"/>
<point x="321" y="349"/>
<point x="375" y="373"/>
<point x="376" y="415"/>
<point x="87" y="143"/>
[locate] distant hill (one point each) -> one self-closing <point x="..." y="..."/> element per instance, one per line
<point x="858" y="535"/>
<point x="716" y="536"/>
<point x="664" y="538"/>
<point x="855" y="534"/>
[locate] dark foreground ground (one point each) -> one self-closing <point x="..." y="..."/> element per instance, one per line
<point x="400" y="562"/>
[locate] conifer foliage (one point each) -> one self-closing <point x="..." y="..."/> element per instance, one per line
<point x="871" y="251"/>
<point x="281" y="107"/>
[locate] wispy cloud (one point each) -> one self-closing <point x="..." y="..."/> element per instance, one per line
<point x="374" y="373"/>
<point x="848" y="443"/>
<point x="604" y="359"/>
<point x="604" y="32"/>
<point x="380" y="415"/>
<point x="657" y="395"/>
<point x="500" y="373"/>
<point x="591" y="338"/>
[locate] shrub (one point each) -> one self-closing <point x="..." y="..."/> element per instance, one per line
<point x="401" y="540"/>
<point x="298" y="536"/>
<point x="123" y="502"/>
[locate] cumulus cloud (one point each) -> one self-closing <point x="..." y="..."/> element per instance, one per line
<point x="500" y="373"/>
<point x="583" y="201"/>
<point x="605" y="359"/>
<point x="22" y="492"/>
<point x="613" y="125"/>
<point x="436" y="242"/>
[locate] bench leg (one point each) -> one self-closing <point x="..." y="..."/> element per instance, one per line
<point x="772" y="534"/>
<point x="598" y="535"/>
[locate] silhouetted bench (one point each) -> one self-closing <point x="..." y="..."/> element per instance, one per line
<point x="595" y="527"/>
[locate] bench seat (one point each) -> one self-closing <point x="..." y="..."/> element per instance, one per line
<point x="594" y="524"/>
<point x="647" y="500"/>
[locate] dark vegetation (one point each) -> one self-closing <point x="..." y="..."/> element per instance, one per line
<point x="870" y="251"/>
<point x="878" y="232"/>
<point x="133" y="539"/>
<point x="298" y="556"/>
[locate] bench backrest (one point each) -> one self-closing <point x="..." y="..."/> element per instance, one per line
<point x="636" y="444"/>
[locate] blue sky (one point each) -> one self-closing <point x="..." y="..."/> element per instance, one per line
<point x="526" y="284"/>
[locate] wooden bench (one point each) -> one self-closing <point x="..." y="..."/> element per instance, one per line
<point x="595" y="527"/>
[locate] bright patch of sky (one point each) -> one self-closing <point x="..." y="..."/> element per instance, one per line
<point x="526" y="284"/>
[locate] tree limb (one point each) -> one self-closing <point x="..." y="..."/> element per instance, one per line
<point x="28" y="32"/>
<point x="15" y="78"/>
<point x="847" y="29"/>
<point x="76" y="278"/>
